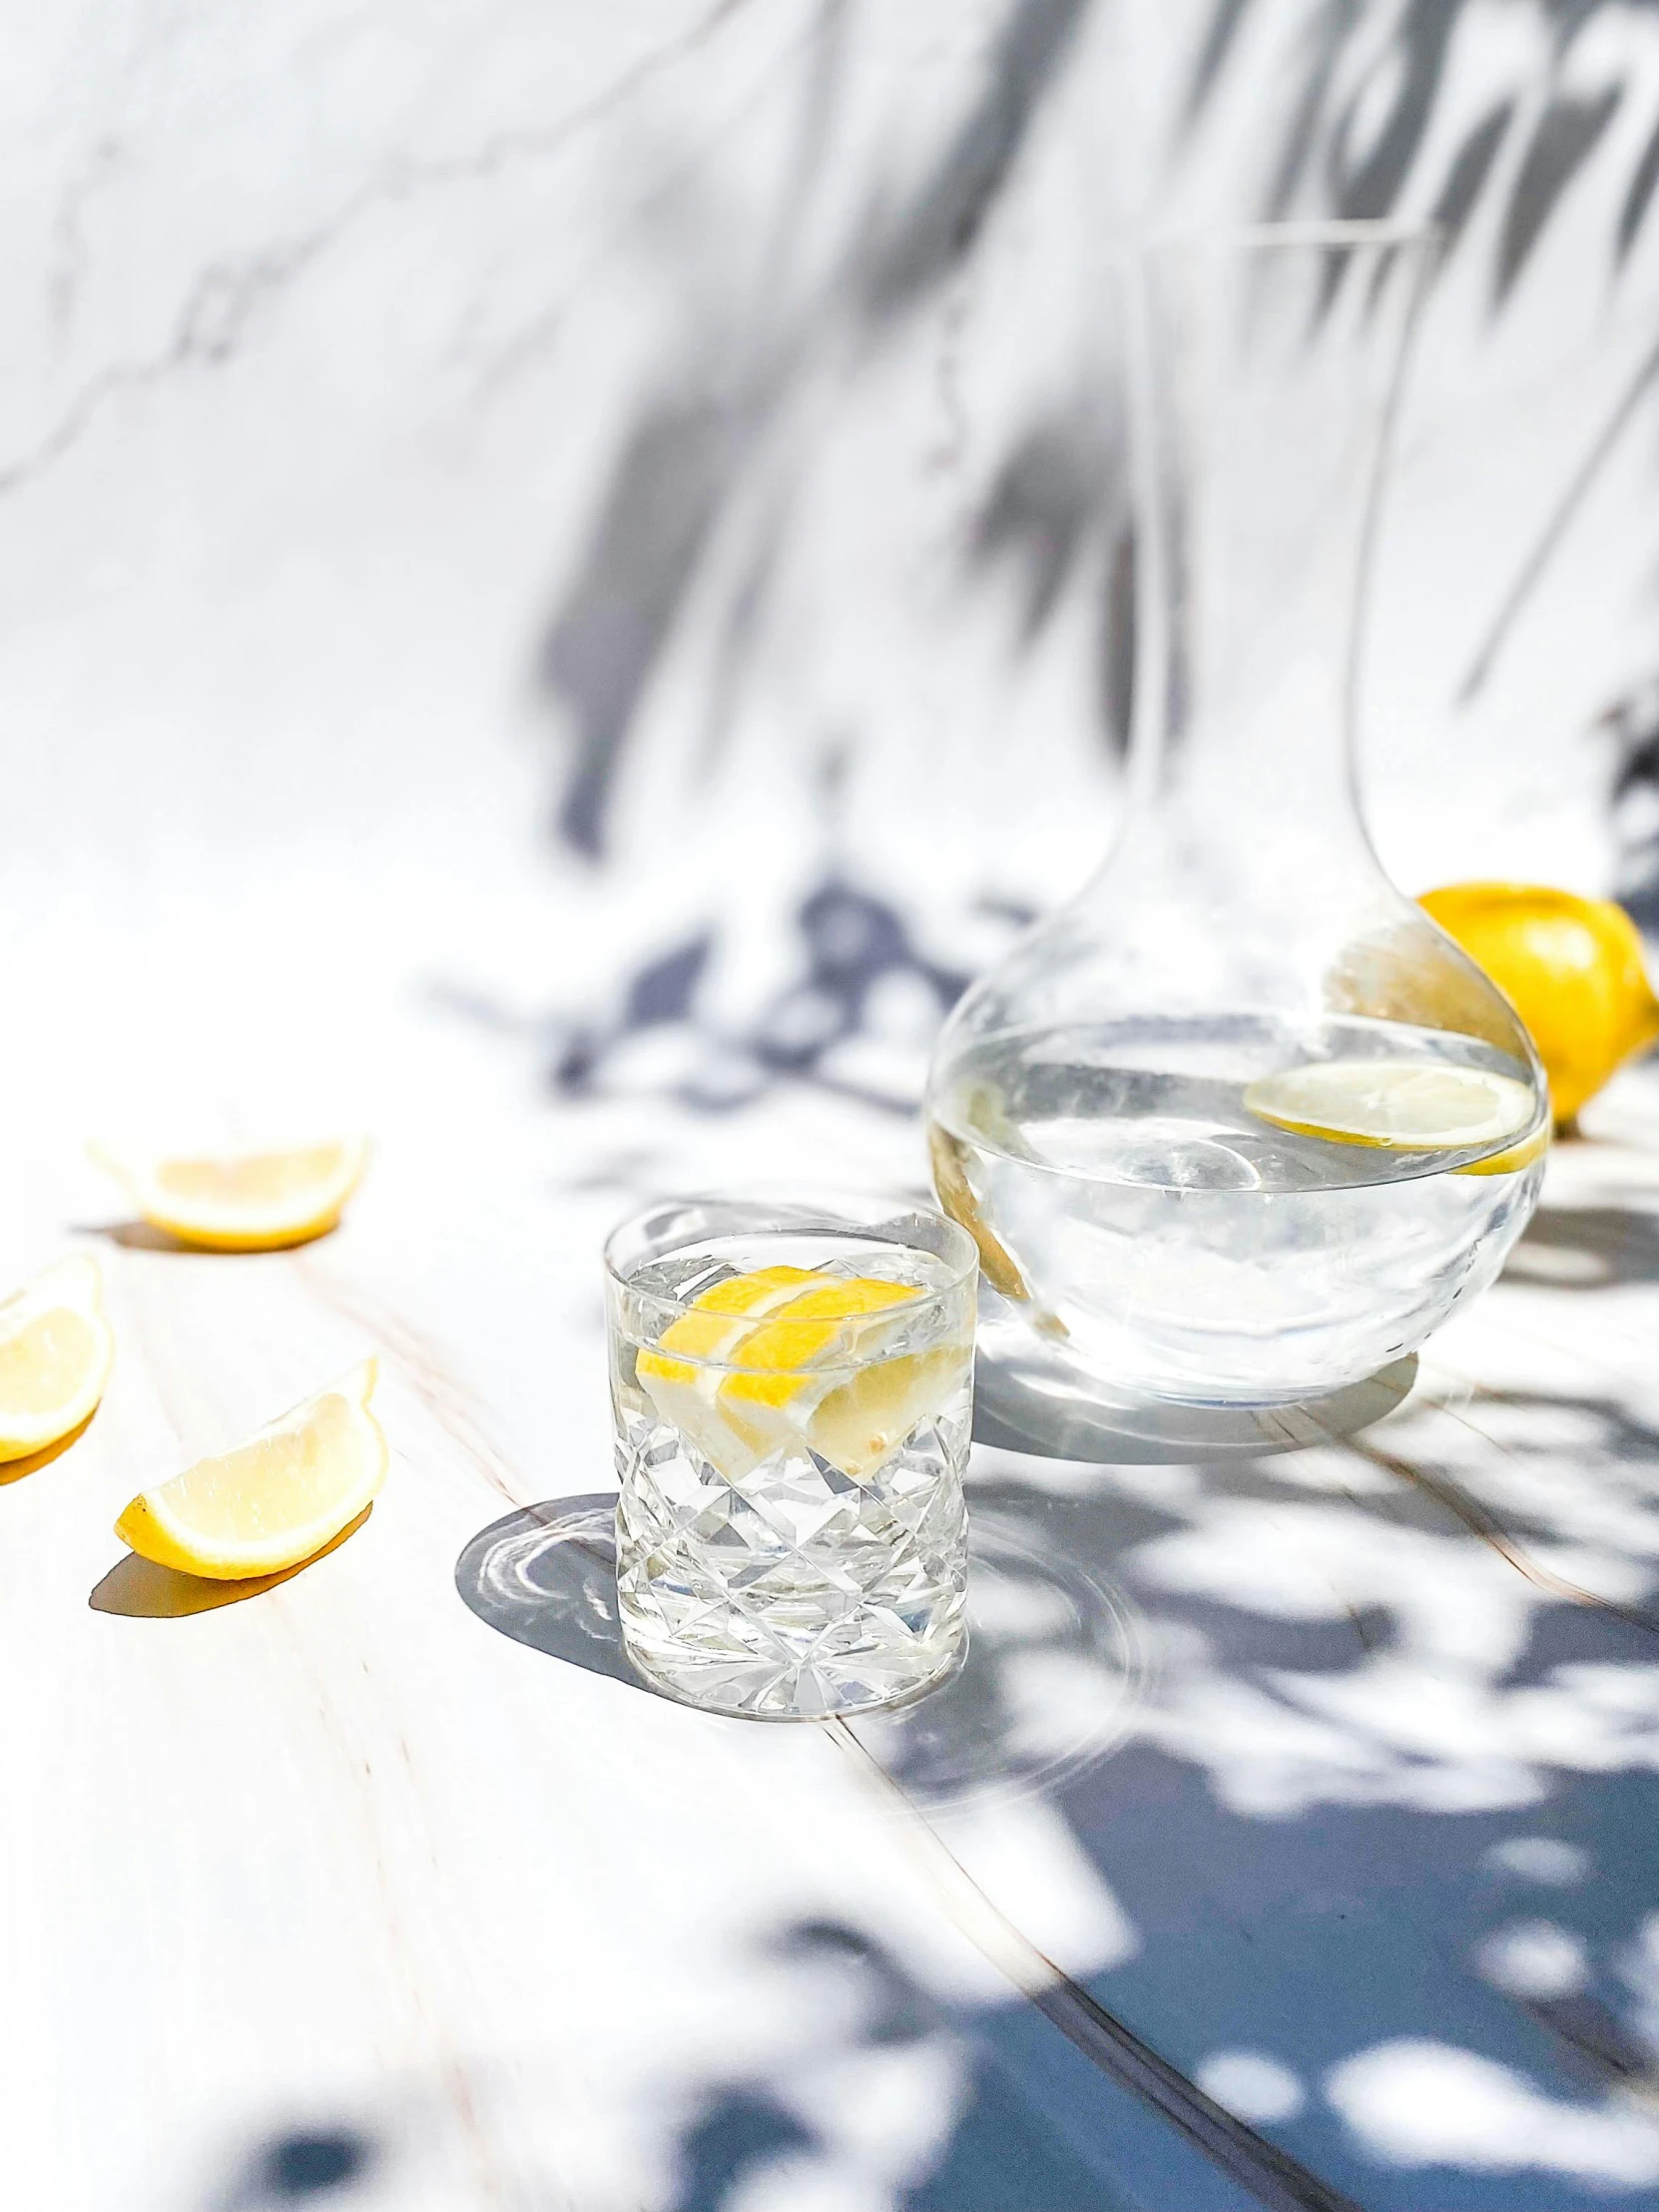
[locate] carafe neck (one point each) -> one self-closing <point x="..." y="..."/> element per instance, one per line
<point x="1263" y="369"/>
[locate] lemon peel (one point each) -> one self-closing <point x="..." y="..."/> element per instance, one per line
<point x="955" y="1192"/>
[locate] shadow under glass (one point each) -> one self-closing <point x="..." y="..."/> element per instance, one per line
<point x="1049" y="1684"/>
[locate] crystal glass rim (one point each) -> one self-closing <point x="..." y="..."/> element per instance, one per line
<point x="872" y="1214"/>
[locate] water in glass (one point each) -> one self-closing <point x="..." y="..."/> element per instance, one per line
<point x="790" y="1529"/>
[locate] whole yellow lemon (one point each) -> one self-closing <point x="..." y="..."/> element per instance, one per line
<point x="1572" y="969"/>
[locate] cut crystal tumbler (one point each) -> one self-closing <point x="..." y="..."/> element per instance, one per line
<point x="792" y="1391"/>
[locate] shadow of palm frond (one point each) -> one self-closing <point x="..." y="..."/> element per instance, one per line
<point x="686" y="460"/>
<point x="1360" y="112"/>
<point x="1587" y="1248"/>
<point x="1356" y="136"/>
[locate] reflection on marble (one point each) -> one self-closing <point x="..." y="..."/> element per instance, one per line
<point x="1049" y="1684"/>
<point x="1047" y="1689"/>
<point x="546" y="1576"/>
<point x="1033" y="1405"/>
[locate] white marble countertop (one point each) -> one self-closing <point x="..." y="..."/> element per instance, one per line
<point x="336" y="1871"/>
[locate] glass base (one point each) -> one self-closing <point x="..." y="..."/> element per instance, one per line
<point x="791" y="1590"/>
<point x="758" y="1690"/>
<point x="1039" y="1402"/>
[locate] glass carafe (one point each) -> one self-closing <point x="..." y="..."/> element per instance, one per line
<point x="1240" y="1126"/>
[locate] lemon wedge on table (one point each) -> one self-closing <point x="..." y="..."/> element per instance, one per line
<point x="766" y="1359"/>
<point x="1571" y="967"/>
<point x="1404" y="1105"/>
<point x="55" y="1355"/>
<point x="253" y="1200"/>
<point x="274" y="1500"/>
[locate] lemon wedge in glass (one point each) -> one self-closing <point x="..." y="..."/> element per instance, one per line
<point x="55" y="1355"/>
<point x="257" y="1201"/>
<point x="771" y="1364"/>
<point x="1405" y="1105"/>
<point x="685" y="1390"/>
<point x="274" y="1500"/>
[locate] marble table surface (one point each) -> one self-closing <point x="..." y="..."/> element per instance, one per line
<point x="1290" y="1838"/>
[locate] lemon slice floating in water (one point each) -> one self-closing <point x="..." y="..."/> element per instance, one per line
<point x="274" y="1500"/>
<point x="55" y="1355"/>
<point x="797" y="1356"/>
<point x="1404" y="1105"/>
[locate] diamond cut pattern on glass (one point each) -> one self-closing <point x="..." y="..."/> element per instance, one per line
<point x="794" y="1589"/>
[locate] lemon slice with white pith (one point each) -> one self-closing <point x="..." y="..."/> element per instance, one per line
<point x="54" y="1353"/>
<point x="273" y="1501"/>
<point x="1404" y="1105"/>
<point x="786" y="1356"/>
<point x="241" y="1201"/>
<point x="685" y="1389"/>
